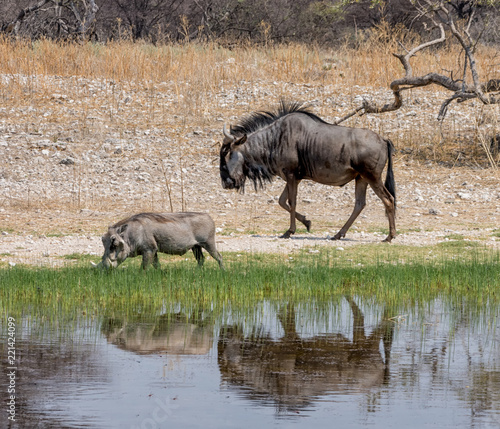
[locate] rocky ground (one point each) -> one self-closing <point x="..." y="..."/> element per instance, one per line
<point x="79" y="155"/>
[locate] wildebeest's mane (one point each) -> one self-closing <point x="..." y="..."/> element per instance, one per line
<point x="261" y="119"/>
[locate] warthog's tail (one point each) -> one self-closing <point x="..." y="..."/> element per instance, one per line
<point x="390" y="184"/>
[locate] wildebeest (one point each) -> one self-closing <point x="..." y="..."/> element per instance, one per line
<point x="147" y="234"/>
<point x="293" y="370"/>
<point x="295" y="144"/>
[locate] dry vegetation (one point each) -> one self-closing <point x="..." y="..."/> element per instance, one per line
<point x="89" y="133"/>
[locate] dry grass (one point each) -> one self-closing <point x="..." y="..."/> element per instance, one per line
<point x="157" y="97"/>
<point x="196" y="73"/>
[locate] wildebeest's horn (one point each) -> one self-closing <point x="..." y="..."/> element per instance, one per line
<point x="228" y="135"/>
<point x="99" y="265"/>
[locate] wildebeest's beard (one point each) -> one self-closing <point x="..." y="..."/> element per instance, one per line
<point x="259" y="174"/>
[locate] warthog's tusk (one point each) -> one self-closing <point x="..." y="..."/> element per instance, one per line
<point x="228" y="135"/>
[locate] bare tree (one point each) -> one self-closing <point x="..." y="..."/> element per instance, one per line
<point x="59" y="17"/>
<point x="456" y="18"/>
<point x="142" y="18"/>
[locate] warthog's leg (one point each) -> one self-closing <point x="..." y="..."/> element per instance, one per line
<point x="148" y="257"/>
<point x="198" y="254"/>
<point x="209" y="246"/>
<point x="288" y="201"/>
<point x="390" y="208"/>
<point x="156" y="262"/>
<point x="359" y="205"/>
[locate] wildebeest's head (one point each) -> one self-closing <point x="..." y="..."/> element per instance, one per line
<point x="116" y="249"/>
<point x="232" y="161"/>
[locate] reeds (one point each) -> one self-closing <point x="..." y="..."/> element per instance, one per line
<point x="248" y="280"/>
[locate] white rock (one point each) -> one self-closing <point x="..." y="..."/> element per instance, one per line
<point x="464" y="195"/>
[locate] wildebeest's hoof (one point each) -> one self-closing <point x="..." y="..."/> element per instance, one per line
<point x="307" y="223"/>
<point x="337" y="236"/>
<point x="286" y="235"/>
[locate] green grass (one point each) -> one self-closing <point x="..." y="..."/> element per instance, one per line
<point x="389" y="277"/>
<point x="454" y="237"/>
<point x="79" y="257"/>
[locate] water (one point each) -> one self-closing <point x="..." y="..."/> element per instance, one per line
<point x="342" y="364"/>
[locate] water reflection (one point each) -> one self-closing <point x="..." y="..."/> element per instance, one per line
<point x="263" y="366"/>
<point x="175" y="333"/>
<point x="291" y="371"/>
<point x="50" y="370"/>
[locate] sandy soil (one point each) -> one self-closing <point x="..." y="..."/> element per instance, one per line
<point x="64" y="179"/>
<point x="434" y="204"/>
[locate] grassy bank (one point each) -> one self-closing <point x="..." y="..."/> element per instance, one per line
<point x="248" y="279"/>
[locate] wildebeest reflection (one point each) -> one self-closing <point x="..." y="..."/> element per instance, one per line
<point x="291" y="371"/>
<point x="172" y="334"/>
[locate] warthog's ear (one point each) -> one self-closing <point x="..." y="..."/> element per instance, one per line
<point x="122" y="229"/>
<point x="241" y="140"/>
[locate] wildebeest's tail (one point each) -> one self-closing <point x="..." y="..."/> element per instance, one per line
<point x="390" y="184"/>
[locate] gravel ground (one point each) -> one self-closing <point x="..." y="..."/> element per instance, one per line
<point x="70" y="166"/>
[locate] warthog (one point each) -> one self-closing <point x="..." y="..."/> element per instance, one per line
<point x="147" y="234"/>
<point x="296" y="145"/>
<point x="175" y="334"/>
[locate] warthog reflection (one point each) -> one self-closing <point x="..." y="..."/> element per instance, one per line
<point x="292" y="371"/>
<point x="175" y="334"/>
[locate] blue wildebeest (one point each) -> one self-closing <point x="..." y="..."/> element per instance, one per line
<point x="295" y="144"/>
<point x="147" y="234"/>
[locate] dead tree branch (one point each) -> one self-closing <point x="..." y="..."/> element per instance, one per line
<point x="440" y="13"/>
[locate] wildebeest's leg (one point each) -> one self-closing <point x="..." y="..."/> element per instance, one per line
<point x="390" y="208"/>
<point x="291" y="185"/>
<point x="288" y="201"/>
<point x="359" y="205"/>
<point x="209" y="246"/>
<point x="148" y="258"/>
<point x="198" y="254"/>
<point x="283" y="203"/>
<point x="358" y="324"/>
